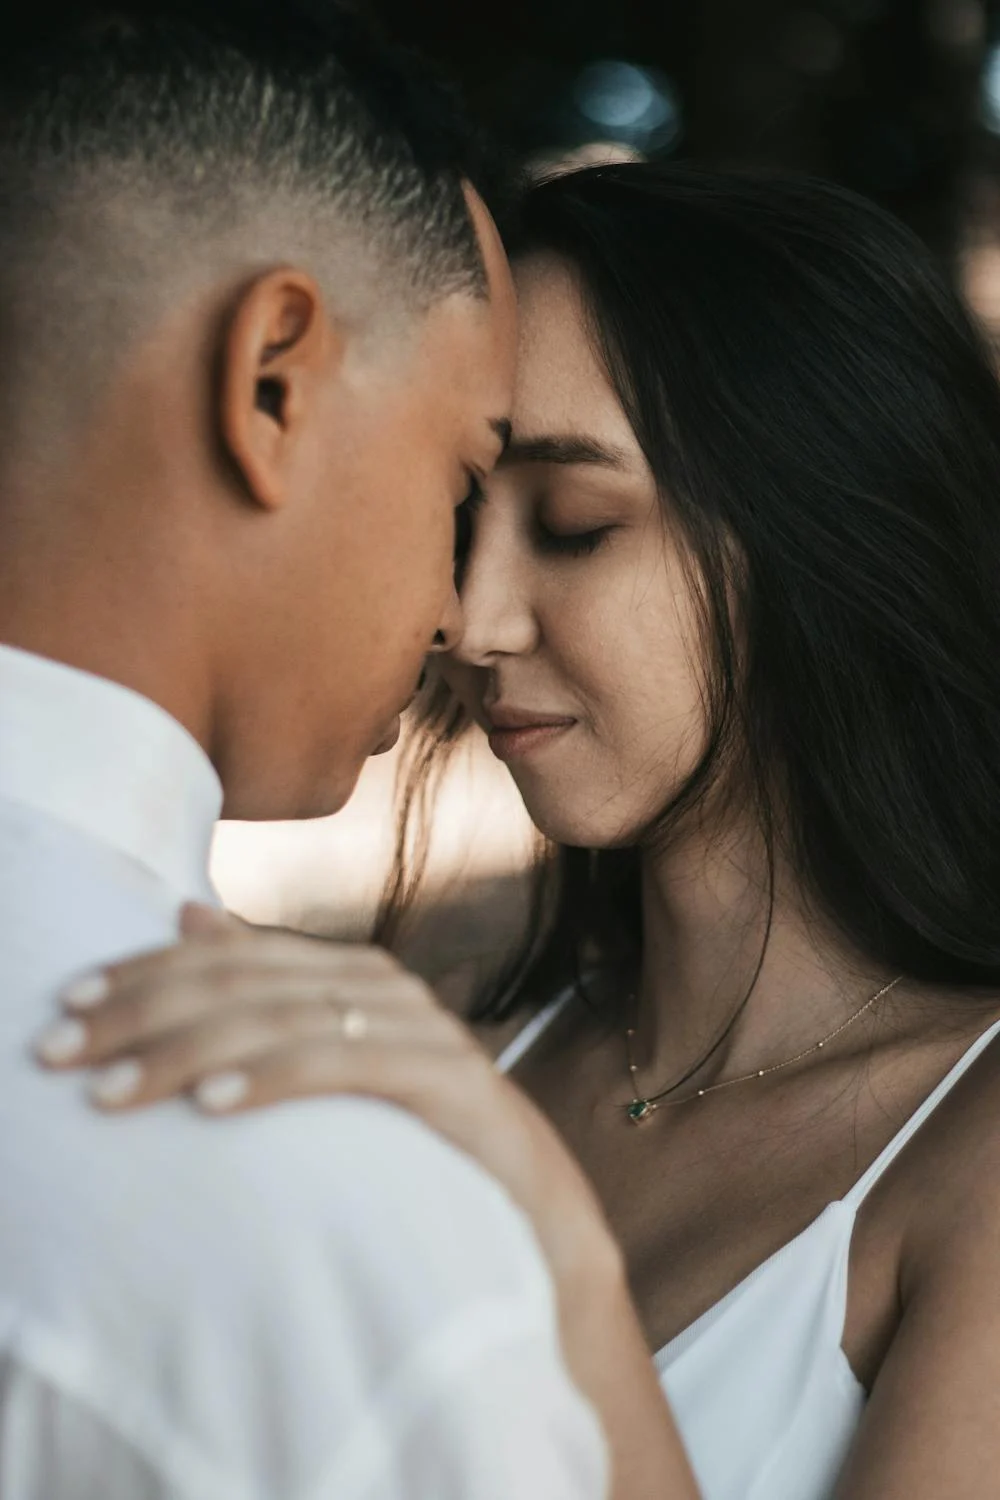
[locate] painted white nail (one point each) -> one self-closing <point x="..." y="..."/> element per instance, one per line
<point x="222" y="1091"/>
<point x="64" y="1040"/>
<point x="82" y="993"/>
<point x="118" y="1083"/>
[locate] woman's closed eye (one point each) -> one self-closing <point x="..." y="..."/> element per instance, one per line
<point x="570" y="543"/>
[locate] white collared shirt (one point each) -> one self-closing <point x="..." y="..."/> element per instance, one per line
<point x="322" y="1301"/>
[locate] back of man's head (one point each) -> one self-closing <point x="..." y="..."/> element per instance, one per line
<point x="255" y="325"/>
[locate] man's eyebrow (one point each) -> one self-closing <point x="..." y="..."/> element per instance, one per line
<point x="555" y="448"/>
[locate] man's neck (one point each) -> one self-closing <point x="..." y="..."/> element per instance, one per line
<point x="93" y="611"/>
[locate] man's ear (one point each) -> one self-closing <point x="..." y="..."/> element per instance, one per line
<point x="276" y="352"/>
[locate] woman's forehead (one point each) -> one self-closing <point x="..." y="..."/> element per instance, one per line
<point x="561" y="384"/>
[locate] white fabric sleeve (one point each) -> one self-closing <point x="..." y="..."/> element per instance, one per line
<point x="484" y="1415"/>
<point x="317" y="1304"/>
<point x="51" y="1445"/>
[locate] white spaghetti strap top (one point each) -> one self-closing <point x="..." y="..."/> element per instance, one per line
<point x="764" y="1397"/>
<point x="529" y="1034"/>
<point x="859" y="1192"/>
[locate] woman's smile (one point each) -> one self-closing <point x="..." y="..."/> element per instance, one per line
<point x="515" y="732"/>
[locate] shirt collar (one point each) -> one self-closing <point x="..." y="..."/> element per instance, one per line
<point x="110" y="763"/>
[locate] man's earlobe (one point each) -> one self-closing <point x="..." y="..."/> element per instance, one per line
<point x="276" y="352"/>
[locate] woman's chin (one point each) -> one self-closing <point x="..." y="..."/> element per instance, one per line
<point x="574" y="822"/>
<point x="561" y="824"/>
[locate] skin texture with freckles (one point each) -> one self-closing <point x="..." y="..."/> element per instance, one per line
<point x="608" y="638"/>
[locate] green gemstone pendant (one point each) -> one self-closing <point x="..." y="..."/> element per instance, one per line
<point x="639" y="1110"/>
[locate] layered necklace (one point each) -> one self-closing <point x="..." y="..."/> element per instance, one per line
<point x="645" y="1105"/>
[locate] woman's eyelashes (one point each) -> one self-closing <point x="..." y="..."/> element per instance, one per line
<point x="571" y="543"/>
<point x="544" y="540"/>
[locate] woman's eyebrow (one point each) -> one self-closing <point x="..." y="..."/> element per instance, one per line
<point x="569" y="448"/>
<point x="501" y="426"/>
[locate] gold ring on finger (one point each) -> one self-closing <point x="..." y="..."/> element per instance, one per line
<point x="354" y="1024"/>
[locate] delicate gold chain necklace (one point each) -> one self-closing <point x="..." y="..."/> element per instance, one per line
<point x="643" y="1106"/>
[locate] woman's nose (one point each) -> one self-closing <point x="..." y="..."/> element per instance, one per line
<point x="449" y="632"/>
<point x="498" y="619"/>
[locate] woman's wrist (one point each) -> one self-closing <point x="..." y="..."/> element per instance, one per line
<point x="589" y="1270"/>
<point x="583" y="1254"/>
<point x="608" y="1358"/>
<point x="594" y="1303"/>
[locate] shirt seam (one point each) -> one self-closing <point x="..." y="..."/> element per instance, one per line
<point x="420" y="1380"/>
<point x="376" y="1430"/>
<point x="73" y="1371"/>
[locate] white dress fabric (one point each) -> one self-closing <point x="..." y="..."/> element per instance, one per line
<point x="761" y="1389"/>
<point x="321" y="1301"/>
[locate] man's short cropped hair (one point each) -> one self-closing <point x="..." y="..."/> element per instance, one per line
<point x="132" y="134"/>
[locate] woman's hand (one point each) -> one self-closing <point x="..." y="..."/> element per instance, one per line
<point x="238" y="1017"/>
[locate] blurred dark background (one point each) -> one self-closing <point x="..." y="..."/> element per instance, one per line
<point x="899" y="99"/>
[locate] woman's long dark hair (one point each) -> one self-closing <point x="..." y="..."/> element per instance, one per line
<point x="823" y="422"/>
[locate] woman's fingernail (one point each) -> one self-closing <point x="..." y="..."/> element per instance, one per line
<point x="82" y="993"/>
<point x="63" y="1041"/>
<point x="222" y="1091"/>
<point x="118" y="1083"/>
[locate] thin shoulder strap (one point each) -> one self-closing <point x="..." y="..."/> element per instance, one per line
<point x="867" y="1181"/>
<point x="528" y="1035"/>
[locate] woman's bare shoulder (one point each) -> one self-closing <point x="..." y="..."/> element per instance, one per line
<point x="949" y="1176"/>
<point x="930" y="1423"/>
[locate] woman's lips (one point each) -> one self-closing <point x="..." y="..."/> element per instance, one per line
<point x="509" y="740"/>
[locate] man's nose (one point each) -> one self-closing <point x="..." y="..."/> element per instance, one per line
<point x="449" y="632"/>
